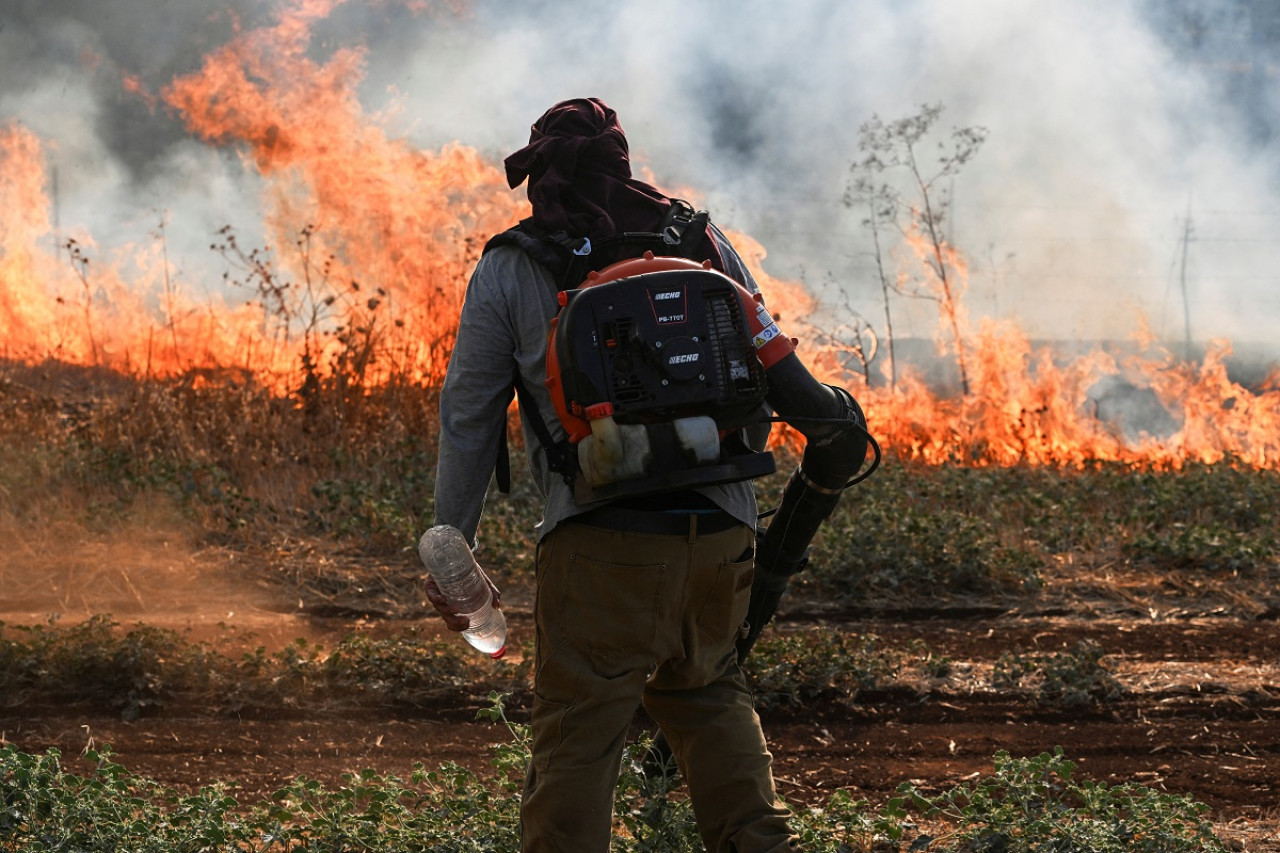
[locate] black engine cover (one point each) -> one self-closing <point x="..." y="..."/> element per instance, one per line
<point x="660" y="346"/>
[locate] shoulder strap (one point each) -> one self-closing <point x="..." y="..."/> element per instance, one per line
<point x="569" y="258"/>
<point x="553" y="251"/>
<point x="684" y="228"/>
<point x="560" y="456"/>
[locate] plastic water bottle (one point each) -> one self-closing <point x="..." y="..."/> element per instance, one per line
<point x="448" y="558"/>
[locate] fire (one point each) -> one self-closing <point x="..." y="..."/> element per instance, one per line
<point x="1024" y="406"/>
<point x="134" y="86"/>
<point x="87" y="317"/>
<point x="785" y="298"/>
<point x="24" y="221"/>
<point x="389" y="231"/>
<point x="370" y="242"/>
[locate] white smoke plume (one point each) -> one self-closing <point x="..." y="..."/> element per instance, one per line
<point x="1121" y="132"/>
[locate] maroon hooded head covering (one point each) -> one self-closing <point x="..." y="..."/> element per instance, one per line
<point x="579" y="171"/>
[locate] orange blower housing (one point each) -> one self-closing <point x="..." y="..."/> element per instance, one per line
<point x="659" y="341"/>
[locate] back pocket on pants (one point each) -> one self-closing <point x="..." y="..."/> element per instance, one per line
<point x="611" y="610"/>
<point x="725" y="608"/>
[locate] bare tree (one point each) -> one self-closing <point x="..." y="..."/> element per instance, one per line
<point x="920" y="207"/>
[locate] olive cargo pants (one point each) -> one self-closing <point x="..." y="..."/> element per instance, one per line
<point x="628" y="618"/>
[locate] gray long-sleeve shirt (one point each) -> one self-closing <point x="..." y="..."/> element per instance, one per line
<point x="504" y="325"/>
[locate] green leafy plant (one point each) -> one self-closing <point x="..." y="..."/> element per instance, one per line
<point x="1212" y="547"/>
<point x="1071" y="679"/>
<point x="1035" y="804"/>
<point x="908" y="535"/>
<point x="131" y="672"/>
<point x="845" y="825"/>
<point x="45" y="809"/>
<point x="793" y="669"/>
<point x="1031" y="804"/>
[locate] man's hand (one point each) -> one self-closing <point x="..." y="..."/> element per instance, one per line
<point x="452" y="619"/>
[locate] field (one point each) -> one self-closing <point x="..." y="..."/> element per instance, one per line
<point x="225" y="610"/>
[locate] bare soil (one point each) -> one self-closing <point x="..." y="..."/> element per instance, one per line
<point x="1199" y="663"/>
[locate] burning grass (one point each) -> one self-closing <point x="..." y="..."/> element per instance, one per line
<point x="349" y="312"/>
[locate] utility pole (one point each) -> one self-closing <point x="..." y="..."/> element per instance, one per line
<point x="1188" y="232"/>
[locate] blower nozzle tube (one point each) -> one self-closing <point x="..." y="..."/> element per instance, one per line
<point x="836" y="445"/>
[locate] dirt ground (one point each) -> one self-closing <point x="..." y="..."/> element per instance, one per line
<point x="1200" y="667"/>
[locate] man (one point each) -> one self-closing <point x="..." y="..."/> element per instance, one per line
<point x="640" y="600"/>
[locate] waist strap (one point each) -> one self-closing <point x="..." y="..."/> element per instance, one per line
<point x="662" y="523"/>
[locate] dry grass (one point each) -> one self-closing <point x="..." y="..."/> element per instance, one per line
<point x="236" y="459"/>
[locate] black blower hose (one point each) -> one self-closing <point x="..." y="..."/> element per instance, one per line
<point x="836" y="443"/>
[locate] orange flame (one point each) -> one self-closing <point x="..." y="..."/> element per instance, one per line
<point x="1025" y="407"/>
<point x="89" y="318"/>
<point x="132" y="84"/>
<point x="377" y="210"/>
<point x="24" y="221"/>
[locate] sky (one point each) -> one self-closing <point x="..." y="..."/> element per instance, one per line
<point x="1130" y="152"/>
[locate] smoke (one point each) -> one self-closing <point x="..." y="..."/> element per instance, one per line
<point x="150" y="563"/>
<point x="119" y="166"/>
<point x="1129" y="156"/>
